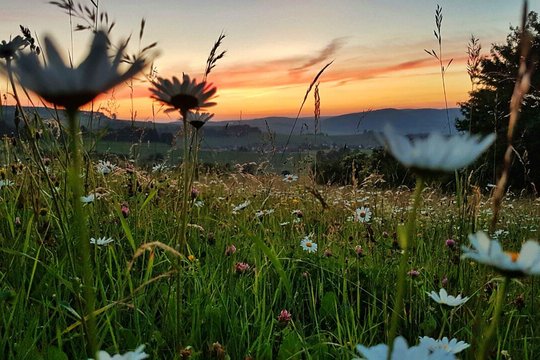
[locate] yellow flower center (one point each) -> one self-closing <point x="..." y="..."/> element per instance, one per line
<point x="514" y="256"/>
<point x="191" y="258"/>
<point x="309" y="244"/>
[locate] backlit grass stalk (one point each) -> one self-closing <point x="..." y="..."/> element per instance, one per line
<point x="407" y="241"/>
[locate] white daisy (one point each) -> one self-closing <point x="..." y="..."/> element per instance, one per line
<point x="362" y="215"/>
<point x="490" y="252"/>
<point x="72" y="87"/>
<point x="443" y="298"/>
<point x="198" y="203"/>
<point x="308" y="245"/>
<point x="290" y="178"/>
<point x="88" y="199"/>
<point x="197" y="119"/>
<point x="137" y="354"/>
<point x="184" y="96"/>
<point x="452" y="346"/>
<point x="101" y="241"/>
<point x="105" y="167"/>
<point x="402" y="351"/>
<point x="5" y="183"/>
<point x="159" y="167"/>
<point x="435" y="153"/>
<point x="241" y="206"/>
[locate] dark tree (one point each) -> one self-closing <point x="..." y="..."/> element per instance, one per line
<point x="488" y="108"/>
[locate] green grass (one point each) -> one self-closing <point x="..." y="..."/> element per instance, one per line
<point x="336" y="301"/>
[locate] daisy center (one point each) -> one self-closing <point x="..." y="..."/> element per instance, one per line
<point x="309" y="244"/>
<point x="184" y="101"/>
<point x="362" y="214"/>
<point x="514" y="256"/>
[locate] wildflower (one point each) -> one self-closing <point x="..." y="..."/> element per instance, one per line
<point x="413" y="273"/>
<point x="489" y="252"/>
<point x="435" y="153"/>
<point x="450" y="243"/>
<point x="194" y="193"/>
<point x="192" y="258"/>
<point x="231" y="249"/>
<point x="138" y="354"/>
<point x="402" y="351"/>
<point x="261" y="213"/>
<point x="125" y="210"/>
<point x="327" y="253"/>
<point x="362" y="215"/>
<point x="88" y="199"/>
<point x="101" y="241"/>
<point x="444" y="281"/>
<point x="8" y="50"/>
<point x="284" y="317"/>
<point x="199" y="204"/>
<point x="359" y="251"/>
<point x="241" y="206"/>
<point x="241" y="267"/>
<point x="105" y="167"/>
<point x="452" y="346"/>
<point x="443" y="298"/>
<point x="308" y="245"/>
<point x="290" y="178"/>
<point x="197" y="119"/>
<point x="5" y="183"/>
<point x="184" y="96"/>
<point x="298" y="213"/>
<point x="159" y="168"/>
<point x="74" y="87"/>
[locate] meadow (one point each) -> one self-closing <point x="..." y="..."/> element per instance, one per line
<point x="110" y="257"/>
<point x="244" y="265"/>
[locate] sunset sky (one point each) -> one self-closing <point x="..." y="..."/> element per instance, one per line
<point x="276" y="47"/>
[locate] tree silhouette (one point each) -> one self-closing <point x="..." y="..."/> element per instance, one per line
<point x="488" y="107"/>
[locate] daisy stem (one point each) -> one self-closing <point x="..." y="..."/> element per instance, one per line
<point x="491" y="331"/>
<point x="406" y="241"/>
<point x="80" y="231"/>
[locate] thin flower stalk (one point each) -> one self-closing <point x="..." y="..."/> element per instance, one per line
<point x="492" y="329"/>
<point x="407" y="240"/>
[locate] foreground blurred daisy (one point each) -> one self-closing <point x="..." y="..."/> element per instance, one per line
<point x="137" y="354"/>
<point x="512" y="264"/>
<point x="73" y="87"/>
<point x="183" y="95"/>
<point x="452" y="346"/>
<point x="435" y="153"/>
<point x="308" y="245"/>
<point x="443" y="298"/>
<point x="402" y="351"/>
<point x="362" y="215"/>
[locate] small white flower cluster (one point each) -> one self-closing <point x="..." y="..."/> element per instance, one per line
<point x="240" y="207"/>
<point x="101" y="241"/>
<point x="105" y="167"/>
<point x="261" y="213"/>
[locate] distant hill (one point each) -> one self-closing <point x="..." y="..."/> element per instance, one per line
<point x="405" y="121"/>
